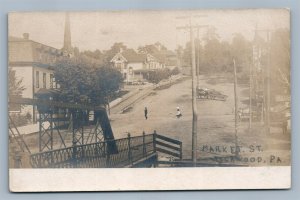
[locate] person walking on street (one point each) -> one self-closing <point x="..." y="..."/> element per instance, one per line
<point x="146" y="113"/>
<point x="178" y="114"/>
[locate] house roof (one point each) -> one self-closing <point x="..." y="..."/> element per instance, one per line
<point x="167" y="57"/>
<point x="25" y="51"/>
<point x="131" y="56"/>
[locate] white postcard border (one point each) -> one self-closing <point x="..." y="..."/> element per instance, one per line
<point x="137" y="179"/>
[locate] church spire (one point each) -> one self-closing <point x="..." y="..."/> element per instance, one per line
<point x="67" y="48"/>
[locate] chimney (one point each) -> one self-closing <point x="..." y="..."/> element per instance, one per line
<point x="26" y="36"/>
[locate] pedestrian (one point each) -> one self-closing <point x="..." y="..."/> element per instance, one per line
<point x="178" y="114"/>
<point x="146" y="113"/>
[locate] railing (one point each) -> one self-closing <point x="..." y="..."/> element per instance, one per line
<point x="130" y="150"/>
<point x="97" y="155"/>
<point x="168" y="146"/>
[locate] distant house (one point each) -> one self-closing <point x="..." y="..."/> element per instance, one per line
<point x="166" y="58"/>
<point x="133" y="65"/>
<point x="31" y="61"/>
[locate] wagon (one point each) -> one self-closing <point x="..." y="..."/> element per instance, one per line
<point x="205" y="93"/>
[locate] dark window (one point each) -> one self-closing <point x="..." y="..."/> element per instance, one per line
<point x="44" y="80"/>
<point x="51" y="80"/>
<point x="37" y="79"/>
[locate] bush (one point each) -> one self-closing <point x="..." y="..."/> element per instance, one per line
<point x="158" y="75"/>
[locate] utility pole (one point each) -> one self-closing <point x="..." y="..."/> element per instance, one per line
<point x="194" y="87"/>
<point x="235" y="109"/>
<point x="199" y="52"/>
<point x="267" y="83"/>
<point x="250" y="92"/>
<point x="194" y="94"/>
<point x="198" y="57"/>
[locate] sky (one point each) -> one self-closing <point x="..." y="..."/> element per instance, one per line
<point x="100" y="30"/>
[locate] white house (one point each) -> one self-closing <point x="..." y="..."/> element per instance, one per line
<point x="31" y="62"/>
<point x="132" y="65"/>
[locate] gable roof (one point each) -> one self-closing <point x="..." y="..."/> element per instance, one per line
<point x="129" y="55"/>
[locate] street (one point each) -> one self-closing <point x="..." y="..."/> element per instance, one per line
<point x="215" y="123"/>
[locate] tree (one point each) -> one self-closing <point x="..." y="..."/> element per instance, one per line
<point x="241" y="50"/>
<point x="107" y="82"/>
<point x="280" y="60"/>
<point x="213" y="55"/>
<point x="152" y="48"/>
<point x="158" y="75"/>
<point x="82" y="81"/>
<point x="216" y="55"/>
<point x="15" y="87"/>
<point x="97" y="54"/>
<point x="175" y="71"/>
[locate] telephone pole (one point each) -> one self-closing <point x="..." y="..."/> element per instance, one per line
<point x="235" y="110"/>
<point x="199" y="52"/>
<point x="191" y="27"/>
<point x="267" y="82"/>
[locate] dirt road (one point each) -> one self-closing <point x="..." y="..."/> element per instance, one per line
<point x="216" y="135"/>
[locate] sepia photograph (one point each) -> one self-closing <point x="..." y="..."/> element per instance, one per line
<point x="161" y="89"/>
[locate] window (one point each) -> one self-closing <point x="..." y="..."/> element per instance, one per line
<point x="51" y="80"/>
<point x="37" y="79"/>
<point x="44" y="80"/>
<point x="119" y="66"/>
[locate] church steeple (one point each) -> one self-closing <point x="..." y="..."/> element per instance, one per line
<point x="67" y="48"/>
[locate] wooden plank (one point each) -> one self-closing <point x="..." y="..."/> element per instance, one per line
<point x="167" y="152"/>
<point x="168" y="139"/>
<point x="168" y="146"/>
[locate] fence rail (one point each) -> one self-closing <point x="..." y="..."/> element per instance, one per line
<point x="168" y="146"/>
<point x="100" y="155"/>
<point x="96" y="155"/>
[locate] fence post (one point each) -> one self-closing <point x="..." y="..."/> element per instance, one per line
<point x="74" y="142"/>
<point x="154" y="147"/>
<point x="81" y="122"/>
<point x="74" y="155"/>
<point x="40" y="132"/>
<point x="154" y="141"/>
<point x="51" y="133"/>
<point x="129" y="149"/>
<point x="106" y="153"/>
<point x="181" y="151"/>
<point x="144" y="145"/>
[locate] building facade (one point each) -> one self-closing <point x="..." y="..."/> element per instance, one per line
<point x="32" y="63"/>
<point x="134" y="66"/>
